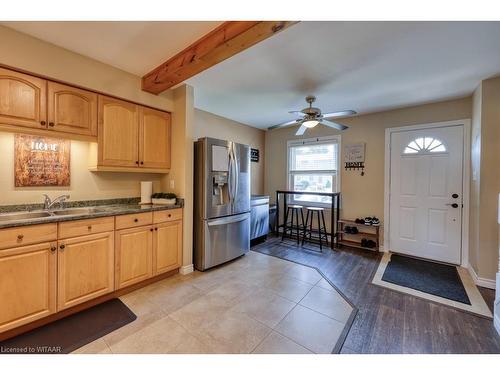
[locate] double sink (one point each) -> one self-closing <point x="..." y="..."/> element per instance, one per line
<point x="26" y="215"/>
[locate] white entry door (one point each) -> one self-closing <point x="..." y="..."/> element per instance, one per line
<point x="426" y="193"/>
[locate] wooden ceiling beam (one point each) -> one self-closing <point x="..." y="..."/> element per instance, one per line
<point x="221" y="43"/>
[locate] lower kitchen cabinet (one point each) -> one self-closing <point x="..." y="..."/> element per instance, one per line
<point x="85" y="268"/>
<point x="134" y="250"/>
<point x="27" y="284"/>
<point x="167" y="246"/>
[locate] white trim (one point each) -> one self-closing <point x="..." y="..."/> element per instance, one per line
<point x="496" y="323"/>
<point x="466" y="123"/>
<point x="184" y="270"/>
<point x="481" y="281"/>
<point x="317" y="140"/>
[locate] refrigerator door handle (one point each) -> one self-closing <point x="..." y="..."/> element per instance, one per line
<point x="237" y="172"/>
<point x="229" y="180"/>
<point x="228" y="220"/>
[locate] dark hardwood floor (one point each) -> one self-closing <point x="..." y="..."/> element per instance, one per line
<point x="388" y="321"/>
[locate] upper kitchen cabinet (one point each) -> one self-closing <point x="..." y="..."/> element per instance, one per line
<point x="71" y="110"/>
<point x="131" y="138"/>
<point x="154" y="146"/>
<point x="22" y="100"/>
<point x="118" y="136"/>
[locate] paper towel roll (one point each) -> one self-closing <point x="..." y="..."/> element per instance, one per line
<point x="146" y="191"/>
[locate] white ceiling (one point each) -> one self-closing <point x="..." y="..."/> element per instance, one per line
<point x="134" y="46"/>
<point x="365" y="66"/>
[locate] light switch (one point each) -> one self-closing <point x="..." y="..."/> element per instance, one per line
<point x="172" y="184"/>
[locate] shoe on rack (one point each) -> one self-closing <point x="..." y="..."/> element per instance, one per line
<point x="371" y="244"/>
<point x="354" y="230"/>
<point x="368" y="221"/>
<point x="375" y="221"/>
<point x="347" y="229"/>
<point x="359" y="221"/>
<point x="364" y="242"/>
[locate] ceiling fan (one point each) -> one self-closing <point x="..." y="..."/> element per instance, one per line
<point x="312" y="116"/>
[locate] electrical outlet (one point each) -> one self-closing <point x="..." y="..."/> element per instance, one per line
<point x="172" y="184"/>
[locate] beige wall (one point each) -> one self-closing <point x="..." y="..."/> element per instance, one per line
<point x="85" y="185"/>
<point x="209" y="125"/>
<point x="180" y="178"/>
<point x="27" y="53"/>
<point x="486" y="184"/>
<point x="361" y="195"/>
<point x="36" y="56"/>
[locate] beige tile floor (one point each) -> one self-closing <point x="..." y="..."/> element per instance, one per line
<point x="255" y="304"/>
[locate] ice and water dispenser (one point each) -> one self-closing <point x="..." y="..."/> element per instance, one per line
<point x="220" y="175"/>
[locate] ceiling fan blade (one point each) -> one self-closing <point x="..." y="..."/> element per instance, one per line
<point x="334" y="125"/>
<point x="301" y="130"/>
<point x="332" y="115"/>
<point x="288" y="123"/>
<point x="298" y="112"/>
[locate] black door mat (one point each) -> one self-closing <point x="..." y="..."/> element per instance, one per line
<point x="434" y="278"/>
<point x="68" y="334"/>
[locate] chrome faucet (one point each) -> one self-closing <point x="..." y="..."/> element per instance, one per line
<point x="49" y="203"/>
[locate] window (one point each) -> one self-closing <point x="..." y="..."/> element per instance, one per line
<point x="424" y="145"/>
<point x="313" y="166"/>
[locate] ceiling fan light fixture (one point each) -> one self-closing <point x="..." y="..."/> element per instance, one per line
<point x="310" y="123"/>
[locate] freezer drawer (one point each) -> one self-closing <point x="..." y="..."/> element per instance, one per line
<point x="224" y="239"/>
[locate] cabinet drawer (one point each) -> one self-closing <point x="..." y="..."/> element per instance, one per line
<point x="27" y="235"/>
<point x="167" y="215"/>
<point x="134" y="220"/>
<point x="87" y="226"/>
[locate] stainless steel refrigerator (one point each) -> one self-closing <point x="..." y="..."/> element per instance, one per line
<point x="221" y="201"/>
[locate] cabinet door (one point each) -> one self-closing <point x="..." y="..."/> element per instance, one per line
<point x="134" y="252"/>
<point x="85" y="269"/>
<point x="168" y="246"/>
<point x="22" y="100"/>
<point x="118" y="135"/>
<point x="154" y="143"/>
<point x="71" y="110"/>
<point x="27" y="284"/>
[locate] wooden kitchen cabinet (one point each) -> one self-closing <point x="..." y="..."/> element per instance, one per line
<point x="118" y="135"/>
<point x="167" y="246"/>
<point x="154" y="138"/>
<point x="85" y="268"/>
<point x="133" y="257"/>
<point x="22" y="100"/>
<point x="27" y="284"/>
<point x="71" y="110"/>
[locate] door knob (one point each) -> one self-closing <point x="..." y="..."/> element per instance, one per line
<point x="454" y="205"/>
<point x="454" y="195"/>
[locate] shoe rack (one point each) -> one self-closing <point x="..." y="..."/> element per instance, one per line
<point x="370" y="232"/>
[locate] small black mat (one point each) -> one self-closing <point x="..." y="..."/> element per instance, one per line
<point x="70" y="333"/>
<point x="434" y="278"/>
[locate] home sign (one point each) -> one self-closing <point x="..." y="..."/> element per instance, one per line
<point x="41" y="161"/>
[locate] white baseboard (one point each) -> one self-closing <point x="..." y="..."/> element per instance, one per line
<point x="184" y="270"/>
<point x="481" y="281"/>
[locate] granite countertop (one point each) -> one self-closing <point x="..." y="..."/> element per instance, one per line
<point x="100" y="208"/>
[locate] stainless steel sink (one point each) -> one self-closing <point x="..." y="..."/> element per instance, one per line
<point x="77" y="211"/>
<point x="24" y="215"/>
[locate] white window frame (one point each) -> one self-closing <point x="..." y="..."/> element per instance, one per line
<point x="317" y="140"/>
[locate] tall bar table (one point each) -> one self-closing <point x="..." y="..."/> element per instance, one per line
<point x="334" y="214"/>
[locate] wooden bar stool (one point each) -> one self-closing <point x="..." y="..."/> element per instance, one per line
<point x="294" y="210"/>
<point x="308" y="231"/>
